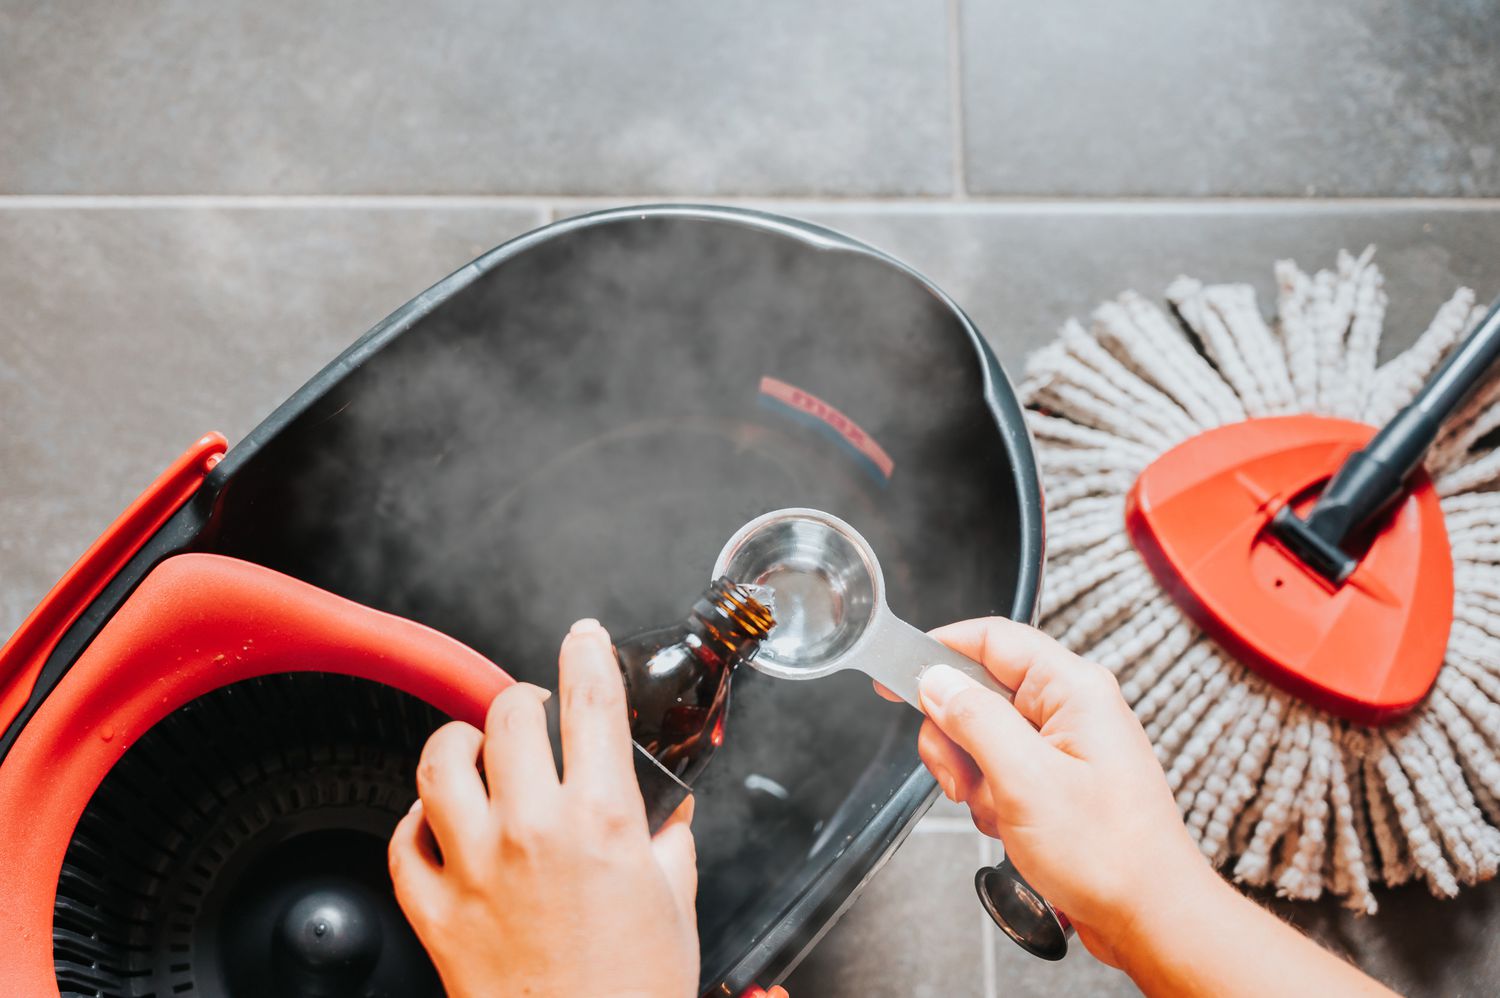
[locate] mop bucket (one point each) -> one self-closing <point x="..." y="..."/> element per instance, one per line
<point x="218" y="710"/>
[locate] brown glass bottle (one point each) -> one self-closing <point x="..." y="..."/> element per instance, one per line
<point x="677" y="677"/>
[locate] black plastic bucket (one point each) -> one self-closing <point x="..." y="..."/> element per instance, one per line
<point x="573" y="424"/>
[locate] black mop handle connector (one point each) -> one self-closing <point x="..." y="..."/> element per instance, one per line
<point x="1374" y="478"/>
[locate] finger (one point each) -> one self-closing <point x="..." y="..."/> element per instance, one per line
<point x="884" y="692"/>
<point x="1044" y="675"/>
<point x="677" y="855"/>
<point x="777" y="992"/>
<point x="595" y="725"/>
<point x="1007" y="749"/>
<point x="950" y="765"/>
<point x="985" y="823"/>
<point x="518" y="759"/>
<point x="415" y="869"/>
<point x="453" y="795"/>
<point x="969" y="787"/>
<point x="1020" y="657"/>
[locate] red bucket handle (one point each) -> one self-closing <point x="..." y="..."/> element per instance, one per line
<point x="23" y="656"/>
<point x="217" y="621"/>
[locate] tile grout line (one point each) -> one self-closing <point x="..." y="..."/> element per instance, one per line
<point x="989" y="969"/>
<point x="941" y="824"/>
<point x="956" y="98"/>
<point x="872" y="203"/>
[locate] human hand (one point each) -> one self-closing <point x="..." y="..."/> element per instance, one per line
<point x="1065" y="777"/>
<point x="519" y="883"/>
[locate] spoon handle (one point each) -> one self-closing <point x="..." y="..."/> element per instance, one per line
<point x="897" y="654"/>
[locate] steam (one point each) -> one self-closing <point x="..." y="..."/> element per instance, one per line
<point x="579" y="431"/>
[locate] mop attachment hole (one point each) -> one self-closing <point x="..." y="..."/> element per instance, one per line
<point x="238" y="850"/>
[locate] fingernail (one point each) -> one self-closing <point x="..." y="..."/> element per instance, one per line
<point x="540" y="692"/>
<point x="939" y="683"/>
<point x="588" y="625"/>
<point x="416" y="806"/>
<point x="946" y="781"/>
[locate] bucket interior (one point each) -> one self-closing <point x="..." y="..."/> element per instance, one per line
<point x="575" y="425"/>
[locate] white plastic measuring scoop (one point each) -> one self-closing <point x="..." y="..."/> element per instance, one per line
<point x="831" y="614"/>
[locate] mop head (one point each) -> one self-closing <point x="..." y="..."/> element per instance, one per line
<point x="1273" y="790"/>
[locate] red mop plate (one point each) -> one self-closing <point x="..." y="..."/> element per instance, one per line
<point x="1200" y="516"/>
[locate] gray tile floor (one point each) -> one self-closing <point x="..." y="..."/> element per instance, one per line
<point x="201" y="204"/>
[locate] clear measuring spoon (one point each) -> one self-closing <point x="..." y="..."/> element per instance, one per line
<point x="831" y="615"/>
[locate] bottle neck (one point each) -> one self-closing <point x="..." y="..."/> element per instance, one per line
<point x="729" y="623"/>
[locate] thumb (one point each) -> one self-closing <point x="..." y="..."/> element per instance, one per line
<point x="677" y="856"/>
<point x="984" y="724"/>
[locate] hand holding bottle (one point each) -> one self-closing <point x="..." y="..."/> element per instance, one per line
<point x="1067" y="779"/>
<point x="520" y="883"/>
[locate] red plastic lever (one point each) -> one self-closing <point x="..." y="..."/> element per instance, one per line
<point x="1368" y="650"/>
<point x="217" y="621"/>
<point x="23" y="656"/>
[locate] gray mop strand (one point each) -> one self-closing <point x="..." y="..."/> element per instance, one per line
<point x="1273" y="790"/>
